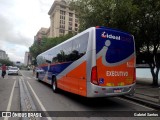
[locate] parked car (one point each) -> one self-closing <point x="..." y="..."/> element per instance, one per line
<point x="13" y="70"/>
<point x="9" y="67"/>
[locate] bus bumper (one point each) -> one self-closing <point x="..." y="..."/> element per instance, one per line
<point x="100" y="91"/>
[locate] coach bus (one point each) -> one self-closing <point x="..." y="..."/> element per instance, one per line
<point x="97" y="62"/>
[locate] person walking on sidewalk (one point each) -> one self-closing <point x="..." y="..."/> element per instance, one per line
<point x="34" y="69"/>
<point x="4" y="68"/>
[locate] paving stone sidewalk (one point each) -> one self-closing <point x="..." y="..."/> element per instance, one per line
<point x="146" y="94"/>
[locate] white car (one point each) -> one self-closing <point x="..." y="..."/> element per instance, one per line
<point x="13" y="70"/>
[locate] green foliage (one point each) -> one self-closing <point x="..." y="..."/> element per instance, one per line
<point x="6" y="62"/>
<point x="111" y="13"/>
<point x="139" y="17"/>
<point x="92" y="12"/>
<point x="46" y="43"/>
<point x="148" y="37"/>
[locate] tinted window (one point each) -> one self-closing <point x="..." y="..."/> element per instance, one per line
<point x="72" y="50"/>
<point x="80" y="46"/>
<point x="40" y="60"/>
<point x="13" y="68"/>
<point x="60" y="53"/>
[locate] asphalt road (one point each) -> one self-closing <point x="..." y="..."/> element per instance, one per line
<point x="45" y="100"/>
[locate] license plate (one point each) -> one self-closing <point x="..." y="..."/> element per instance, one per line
<point x="118" y="90"/>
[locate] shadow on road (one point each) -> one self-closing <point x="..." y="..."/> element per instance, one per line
<point x="94" y="103"/>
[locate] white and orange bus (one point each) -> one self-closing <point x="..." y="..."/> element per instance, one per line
<point x="97" y="62"/>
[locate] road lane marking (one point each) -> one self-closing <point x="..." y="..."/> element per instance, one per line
<point x="34" y="77"/>
<point x="14" y="78"/>
<point x="29" y="78"/>
<point x="38" y="100"/>
<point x="22" y="74"/>
<point x="135" y="103"/>
<point x="27" y="103"/>
<point x="10" y="100"/>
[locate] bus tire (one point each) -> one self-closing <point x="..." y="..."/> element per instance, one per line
<point x="54" y="85"/>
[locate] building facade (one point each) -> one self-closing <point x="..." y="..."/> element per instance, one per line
<point x="27" y="59"/>
<point x="43" y="32"/>
<point x="3" y="55"/>
<point x="63" y="20"/>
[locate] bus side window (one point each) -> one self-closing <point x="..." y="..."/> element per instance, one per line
<point x="63" y="53"/>
<point x="80" y="46"/>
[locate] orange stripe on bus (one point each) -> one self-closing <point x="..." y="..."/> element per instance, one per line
<point x="75" y="80"/>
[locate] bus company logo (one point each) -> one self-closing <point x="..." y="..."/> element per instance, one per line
<point x="106" y="35"/>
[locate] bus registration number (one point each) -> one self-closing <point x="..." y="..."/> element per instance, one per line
<point x="117" y="90"/>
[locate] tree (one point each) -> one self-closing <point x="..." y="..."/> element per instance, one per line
<point x="140" y="18"/>
<point x="111" y="13"/>
<point x="92" y="12"/>
<point x="148" y="24"/>
<point x="45" y="44"/>
<point x="6" y="62"/>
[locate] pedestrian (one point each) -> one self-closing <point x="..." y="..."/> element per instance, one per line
<point x="34" y="69"/>
<point x="4" y="68"/>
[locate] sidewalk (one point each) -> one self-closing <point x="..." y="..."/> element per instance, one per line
<point x="146" y="94"/>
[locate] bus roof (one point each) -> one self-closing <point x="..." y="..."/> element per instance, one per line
<point x="79" y="34"/>
<point x="87" y="30"/>
<point x="114" y="29"/>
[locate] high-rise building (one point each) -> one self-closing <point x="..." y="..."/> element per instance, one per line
<point x="62" y="19"/>
<point x="40" y="34"/>
<point x="27" y="59"/>
<point x="3" y="55"/>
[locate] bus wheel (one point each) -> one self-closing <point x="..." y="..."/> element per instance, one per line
<point x="54" y="85"/>
<point x="37" y="76"/>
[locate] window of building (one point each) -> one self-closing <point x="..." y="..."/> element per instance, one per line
<point x="62" y="12"/>
<point x="76" y="25"/>
<point x="61" y="31"/>
<point x="70" y="19"/>
<point x="70" y="14"/>
<point x="62" y="17"/>
<point x="76" y="20"/>
<point x="70" y="23"/>
<point x="70" y="28"/>
<point x="62" y="20"/>
<point x="62" y="26"/>
<point x="63" y="7"/>
<point x="76" y="29"/>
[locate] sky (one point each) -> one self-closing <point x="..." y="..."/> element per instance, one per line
<point x="20" y="21"/>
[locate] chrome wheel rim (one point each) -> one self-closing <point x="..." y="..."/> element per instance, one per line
<point x="54" y="86"/>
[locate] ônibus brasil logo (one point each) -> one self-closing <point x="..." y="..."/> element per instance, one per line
<point x="106" y="35"/>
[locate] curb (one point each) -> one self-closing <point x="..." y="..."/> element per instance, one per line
<point x="144" y="102"/>
<point x="26" y="101"/>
